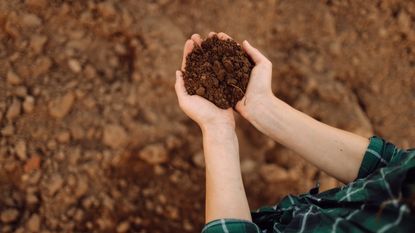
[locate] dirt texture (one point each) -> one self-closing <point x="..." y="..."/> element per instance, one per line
<point x="219" y="71"/>
<point x="91" y="135"/>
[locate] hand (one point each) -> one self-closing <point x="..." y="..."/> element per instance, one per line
<point x="203" y="112"/>
<point x="258" y="93"/>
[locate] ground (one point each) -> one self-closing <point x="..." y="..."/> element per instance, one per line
<point x="91" y="136"/>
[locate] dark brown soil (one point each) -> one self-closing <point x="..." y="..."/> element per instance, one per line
<point x="219" y="71"/>
<point x="91" y="135"/>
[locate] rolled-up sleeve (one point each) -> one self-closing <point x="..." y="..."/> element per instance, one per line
<point x="230" y="226"/>
<point x="378" y="154"/>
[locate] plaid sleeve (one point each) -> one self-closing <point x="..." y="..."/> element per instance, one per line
<point x="230" y="226"/>
<point x="378" y="154"/>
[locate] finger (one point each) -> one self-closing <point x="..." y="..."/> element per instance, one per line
<point x="179" y="86"/>
<point x="211" y="34"/>
<point x="254" y="53"/>
<point x="188" y="47"/>
<point x="197" y="39"/>
<point x="224" y="36"/>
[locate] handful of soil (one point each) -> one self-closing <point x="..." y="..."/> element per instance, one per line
<point x="219" y="71"/>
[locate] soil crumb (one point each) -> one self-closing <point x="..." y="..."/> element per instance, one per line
<point x="219" y="71"/>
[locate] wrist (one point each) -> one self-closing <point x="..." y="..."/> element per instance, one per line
<point x="269" y="114"/>
<point x="218" y="132"/>
<point x="254" y="107"/>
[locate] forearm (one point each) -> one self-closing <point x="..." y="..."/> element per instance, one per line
<point x="225" y="194"/>
<point x="337" y="152"/>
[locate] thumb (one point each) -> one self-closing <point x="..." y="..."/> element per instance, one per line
<point x="179" y="86"/>
<point x="254" y="53"/>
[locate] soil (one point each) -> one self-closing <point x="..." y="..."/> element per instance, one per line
<point x="219" y="71"/>
<point x="91" y="135"/>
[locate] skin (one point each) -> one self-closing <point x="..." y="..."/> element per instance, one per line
<point x="337" y="152"/>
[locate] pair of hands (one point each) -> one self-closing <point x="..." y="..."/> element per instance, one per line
<point x="207" y="114"/>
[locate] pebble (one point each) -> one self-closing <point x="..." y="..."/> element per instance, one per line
<point x="63" y="137"/>
<point x="41" y="66"/>
<point x="273" y="173"/>
<point x="77" y="132"/>
<point x="74" y="65"/>
<point x="13" y="78"/>
<point x="32" y="164"/>
<point x="29" y="104"/>
<point x="8" y="130"/>
<point x="36" y="3"/>
<point x="31" y="20"/>
<point x="198" y="159"/>
<point x="21" y="91"/>
<point x="154" y="154"/>
<point x="123" y="227"/>
<point x="37" y="43"/>
<point x="200" y="91"/>
<point x="55" y="183"/>
<point x="60" y="107"/>
<point x="107" y="10"/>
<point x="115" y="136"/>
<point x="31" y="199"/>
<point x="21" y="150"/>
<point x="248" y="166"/>
<point x="82" y="188"/>
<point x="33" y="224"/>
<point x="9" y="215"/>
<point x="14" y="110"/>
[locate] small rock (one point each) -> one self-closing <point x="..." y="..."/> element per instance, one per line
<point x="32" y="199"/>
<point x="32" y="164"/>
<point x="21" y="91"/>
<point x="55" y="183"/>
<point x="173" y="142"/>
<point x="60" y="107"/>
<point x="41" y="66"/>
<point x="13" y="78"/>
<point x="29" y="104"/>
<point x="9" y="215"/>
<point x="63" y="137"/>
<point x="82" y="188"/>
<point x="37" y="43"/>
<point x="33" y="224"/>
<point x="154" y="154"/>
<point x="31" y="20"/>
<point x="200" y="91"/>
<point x="199" y="160"/>
<point x="107" y="10"/>
<point x="123" y="227"/>
<point x="248" y="166"/>
<point x="21" y="150"/>
<point x="77" y="132"/>
<point x="8" y="130"/>
<point x="187" y="226"/>
<point x="14" y="110"/>
<point x="74" y="65"/>
<point x="36" y="3"/>
<point x="115" y="136"/>
<point x="136" y="76"/>
<point x="273" y="173"/>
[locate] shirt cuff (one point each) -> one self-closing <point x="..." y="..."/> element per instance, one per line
<point x="378" y="154"/>
<point x="231" y="226"/>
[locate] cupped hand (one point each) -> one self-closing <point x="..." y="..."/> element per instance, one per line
<point x="203" y="112"/>
<point x="258" y="92"/>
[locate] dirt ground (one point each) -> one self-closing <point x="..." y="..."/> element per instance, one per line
<point x="91" y="136"/>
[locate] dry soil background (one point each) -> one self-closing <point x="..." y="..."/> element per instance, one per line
<point x="92" y="139"/>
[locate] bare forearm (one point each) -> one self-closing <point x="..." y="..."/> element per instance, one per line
<point x="337" y="152"/>
<point x="225" y="194"/>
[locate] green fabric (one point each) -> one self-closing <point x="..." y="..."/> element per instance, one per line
<point x="371" y="203"/>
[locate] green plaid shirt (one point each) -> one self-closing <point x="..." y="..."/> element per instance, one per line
<point x="371" y="203"/>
